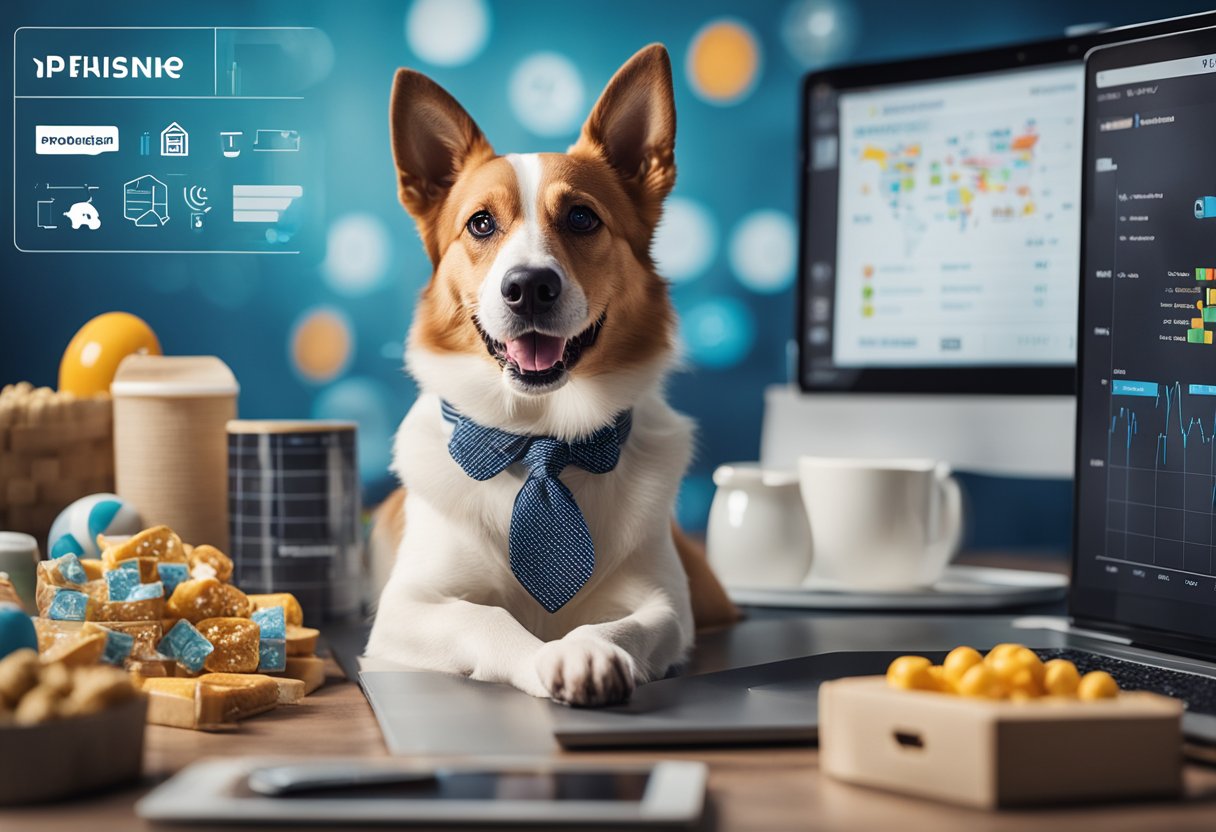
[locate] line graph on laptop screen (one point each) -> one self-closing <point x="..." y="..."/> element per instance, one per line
<point x="958" y="235"/>
<point x="1147" y="495"/>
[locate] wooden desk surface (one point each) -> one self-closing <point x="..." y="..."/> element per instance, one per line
<point x="751" y="789"/>
<point x="754" y="789"/>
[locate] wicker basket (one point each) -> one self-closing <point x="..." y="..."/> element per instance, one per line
<point x="54" y="448"/>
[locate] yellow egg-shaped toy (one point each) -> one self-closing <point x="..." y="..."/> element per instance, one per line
<point x="93" y="354"/>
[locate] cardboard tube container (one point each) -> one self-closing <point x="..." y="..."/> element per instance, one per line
<point x="170" y="442"/>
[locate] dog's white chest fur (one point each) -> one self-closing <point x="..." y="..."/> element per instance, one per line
<point x="457" y="528"/>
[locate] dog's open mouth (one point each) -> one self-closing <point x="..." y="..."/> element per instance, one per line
<point x="538" y="360"/>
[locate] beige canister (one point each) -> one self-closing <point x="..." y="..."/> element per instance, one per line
<point x="170" y="442"/>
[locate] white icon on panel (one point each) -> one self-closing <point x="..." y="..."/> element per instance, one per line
<point x="145" y="201"/>
<point x="196" y="200"/>
<point x="84" y="214"/>
<point x="262" y="203"/>
<point x="81" y="211"/>
<point x="46" y="215"/>
<point x="280" y="141"/>
<point x="228" y="143"/>
<point x="174" y="141"/>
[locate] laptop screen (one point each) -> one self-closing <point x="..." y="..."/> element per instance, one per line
<point x="1146" y="475"/>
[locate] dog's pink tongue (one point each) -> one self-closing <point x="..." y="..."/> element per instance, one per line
<point x="535" y="353"/>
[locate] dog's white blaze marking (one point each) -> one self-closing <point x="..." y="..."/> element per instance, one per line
<point x="527" y="173"/>
<point x="527" y="246"/>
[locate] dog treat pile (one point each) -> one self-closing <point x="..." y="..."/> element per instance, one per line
<point x="34" y="691"/>
<point x="165" y="612"/>
<point x="1009" y="671"/>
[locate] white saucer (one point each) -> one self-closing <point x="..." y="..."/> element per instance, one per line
<point x="960" y="588"/>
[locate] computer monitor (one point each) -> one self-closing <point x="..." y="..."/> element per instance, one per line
<point x="940" y="248"/>
<point x="942" y="223"/>
<point x="1145" y="554"/>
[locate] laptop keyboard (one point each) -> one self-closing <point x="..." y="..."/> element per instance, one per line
<point x="1199" y="692"/>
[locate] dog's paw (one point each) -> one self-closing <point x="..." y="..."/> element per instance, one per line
<point x="585" y="671"/>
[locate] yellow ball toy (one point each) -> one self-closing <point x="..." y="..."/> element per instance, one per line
<point x="93" y="354"/>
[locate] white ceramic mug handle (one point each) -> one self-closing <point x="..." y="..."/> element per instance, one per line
<point x="950" y="526"/>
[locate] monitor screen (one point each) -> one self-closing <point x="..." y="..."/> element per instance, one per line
<point x="943" y="225"/>
<point x="1146" y="459"/>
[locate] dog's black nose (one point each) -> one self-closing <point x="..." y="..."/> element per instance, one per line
<point x="531" y="291"/>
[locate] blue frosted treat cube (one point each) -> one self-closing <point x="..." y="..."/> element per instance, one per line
<point x="172" y="574"/>
<point x="272" y="655"/>
<point x="118" y="647"/>
<point x="272" y="621"/>
<point x="71" y="570"/>
<point x="187" y="645"/>
<point x="121" y="582"/>
<point x="146" y="592"/>
<point x="68" y="605"/>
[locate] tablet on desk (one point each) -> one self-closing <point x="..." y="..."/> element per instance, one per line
<point x="358" y="791"/>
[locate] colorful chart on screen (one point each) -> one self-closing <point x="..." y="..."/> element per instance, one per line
<point x="958" y="232"/>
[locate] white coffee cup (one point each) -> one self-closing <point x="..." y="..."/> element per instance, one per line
<point x="882" y="524"/>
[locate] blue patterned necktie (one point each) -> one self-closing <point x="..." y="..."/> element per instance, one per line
<point x="552" y="554"/>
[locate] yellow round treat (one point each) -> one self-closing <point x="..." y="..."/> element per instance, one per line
<point x="981" y="682"/>
<point x="1024" y="683"/>
<point x="941" y="682"/>
<point x="93" y="354"/>
<point x="1060" y="677"/>
<point x="910" y="673"/>
<point x="1097" y="684"/>
<point x="1000" y="650"/>
<point x="1014" y="662"/>
<point x="959" y="661"/>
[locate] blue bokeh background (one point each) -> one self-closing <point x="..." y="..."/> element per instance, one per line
<point x="736" y="189"/>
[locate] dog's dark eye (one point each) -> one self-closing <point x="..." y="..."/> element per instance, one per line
<point x="481" y="224"/>
<point x="582" y="219"/>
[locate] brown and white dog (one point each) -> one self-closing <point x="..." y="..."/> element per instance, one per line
<point x="544" y="317"/>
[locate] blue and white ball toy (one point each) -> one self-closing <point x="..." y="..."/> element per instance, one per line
<point x="16" y="630"/>
<point x="76" y="528"/>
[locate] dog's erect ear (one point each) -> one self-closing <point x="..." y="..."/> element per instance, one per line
<point x="433" y="140"/>
<point x="633" y="128"/>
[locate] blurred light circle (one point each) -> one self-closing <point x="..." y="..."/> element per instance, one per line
<point x="819" y="32"/>
<point x="447" y="32"/>
<point x="685" y="241"/>
<point x="723" y="62"/>
<point x="321" y="344"/>
<point x="692" y="504"/>
<point x="763" y="251"/>
<point x="356" y="254"/>
<point x="718" y="333"/>
<point x="546" y="94"/>
<point x="368" y="403"/>
<point x="311" y="53"/>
